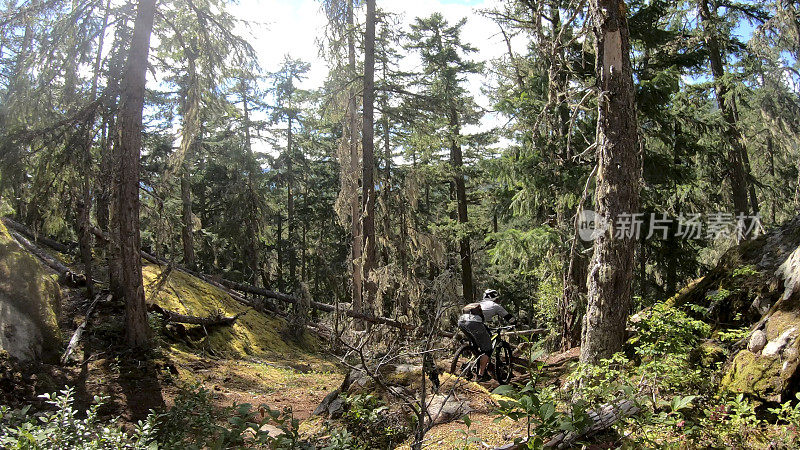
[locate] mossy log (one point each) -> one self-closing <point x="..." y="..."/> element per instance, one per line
<point x="65" y="275"/>
<point x="230" y="286"/>
<point x="23" y="230"/>
<point x="217" y="319"/>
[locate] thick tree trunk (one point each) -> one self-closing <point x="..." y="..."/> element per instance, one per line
<point x="732" y="134"/>
<point x="355" y="210"/>
<point x="457" y="160"/>
<point x="618" y="178"/>
<point x="368" y="162"/>
<point x="137" y="329"/>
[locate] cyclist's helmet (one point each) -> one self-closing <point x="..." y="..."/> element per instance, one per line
<point x="491" y="294"/>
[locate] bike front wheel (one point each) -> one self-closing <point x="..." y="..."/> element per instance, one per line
<point x="460" y="366"/>
<point x="503" y="371"/>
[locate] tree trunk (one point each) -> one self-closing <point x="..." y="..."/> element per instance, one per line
<point x="290" y="209"/>
<point x="368" y="162"/>
<point x="84" y="233"/>
<point x="355" y="210"/>
<point x="187" y="228"/>
<point x="189" y="131"/>
<point x="279" y="250"/>
<point x="253" y="225"/>
<point x="572" y="306"/>
<point x="456" y="159"/>
<point x="732" y="134"/>
<point x="618" y="178"/>
<point x="137" y="329"/>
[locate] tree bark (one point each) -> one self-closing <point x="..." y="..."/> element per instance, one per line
<point x="189" y="132"/>
<point x="137" y="329"/>
<point x="618" y="178"/>
<point x="290" y="219"/>
<point x="456" y="159"/>
<point x="187" y="227"/>
<point x="279" y="250"/>
<point x="253" y="226"/>
<point x="368" y="162"/>
<point x="355" y="210"/>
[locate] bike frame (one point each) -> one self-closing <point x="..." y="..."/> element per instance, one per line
<point x="496" y="338"/>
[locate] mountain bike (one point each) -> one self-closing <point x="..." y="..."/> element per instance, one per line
<point x="465" y="361"/>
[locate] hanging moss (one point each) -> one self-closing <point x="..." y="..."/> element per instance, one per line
<point x="30" y="299"/>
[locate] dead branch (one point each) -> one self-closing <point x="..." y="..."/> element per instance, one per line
<point x="78" y="334"/>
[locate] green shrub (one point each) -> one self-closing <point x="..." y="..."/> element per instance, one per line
<point x="64" y="428"/>
<point x="192" y="423"/>
<point x="371" y="422"/>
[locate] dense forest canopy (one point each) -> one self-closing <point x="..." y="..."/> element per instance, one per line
<point x="585" y="159"/>
<point x="244" y="169"/>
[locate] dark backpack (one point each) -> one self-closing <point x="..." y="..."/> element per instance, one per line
<point x="474" y="309"/>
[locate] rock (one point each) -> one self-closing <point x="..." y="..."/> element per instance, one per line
<point x="322" y="408"/>
<point x="757" y="341"/>
<point x="767" y="377"/>
<point x="336" y="408"/>
<point x="446" y="408"/>
<point x="757" y="376"/>
<point x="29" y="301"/>
<point x="707" y="354"/>
<point x="271" y="430"/>
<point x="777" y="345"/>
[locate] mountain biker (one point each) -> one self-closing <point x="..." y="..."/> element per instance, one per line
<point x="473" y="323"/>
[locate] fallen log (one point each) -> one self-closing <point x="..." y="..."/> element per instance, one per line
<point x="229" y="287"/>
<point x="216" y="319"/>
<point x="23" y="230"/>
<point x="320" y="306"/>
<point x="258" y="306"/>
<point x="601" y="419"/>
<point x="78" y="334"/>
<point x="65" y="275"/>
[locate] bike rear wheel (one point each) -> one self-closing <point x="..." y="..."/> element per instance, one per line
<point x="460" y="366"/>
<point x="503" y="369"/>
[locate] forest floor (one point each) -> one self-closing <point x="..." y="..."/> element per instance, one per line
<point x="254" y="361"/>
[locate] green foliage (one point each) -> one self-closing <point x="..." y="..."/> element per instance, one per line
<point x="192" y="423"/>
<point x="64" y="427"/>
<point x="371" y="423"/>
<point x="666" y="330"/>
<point x="732" y="335"/>
<point x="469" y="437"/>
<point x="537" y="407"/>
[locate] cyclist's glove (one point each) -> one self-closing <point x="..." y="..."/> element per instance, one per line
<point x="510" y="319"/>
